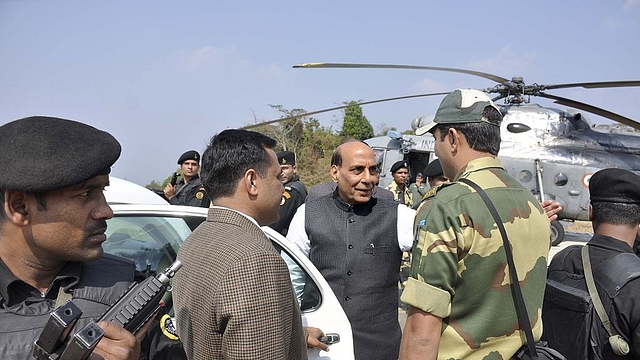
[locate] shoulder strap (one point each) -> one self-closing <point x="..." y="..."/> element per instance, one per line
<point x="521" y="310"/>
<point x="619" y="346"/>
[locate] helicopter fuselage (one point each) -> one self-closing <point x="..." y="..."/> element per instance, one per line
<point x="566" y="148"/>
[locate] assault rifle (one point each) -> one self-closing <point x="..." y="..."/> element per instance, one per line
<point x="131" y="311"/>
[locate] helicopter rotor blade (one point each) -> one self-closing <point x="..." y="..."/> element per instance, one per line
<point x="492" y="77"/>
<point x="593" y="85"/>
<point x="593" y="109"/>
<point x="341" y="107"/>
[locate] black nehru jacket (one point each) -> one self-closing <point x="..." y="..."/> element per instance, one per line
<point x="41" y="153"/>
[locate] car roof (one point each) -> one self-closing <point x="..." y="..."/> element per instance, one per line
<point x="122" y="191"/>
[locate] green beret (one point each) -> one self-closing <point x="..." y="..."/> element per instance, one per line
<point x="42" y="153"/>
<point x="286" y="158"/>
<point x="616" y="186"/>
<point x="399" y="165"/>
<point x="189" y="155"/>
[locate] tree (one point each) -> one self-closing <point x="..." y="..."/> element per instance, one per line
<point x="287" y="133"/>
<point x="355" y="124"/>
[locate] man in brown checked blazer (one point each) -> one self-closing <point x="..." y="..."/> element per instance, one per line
<point x="233" y="296"/>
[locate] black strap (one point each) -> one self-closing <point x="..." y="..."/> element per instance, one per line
<point x="521" y="310"/>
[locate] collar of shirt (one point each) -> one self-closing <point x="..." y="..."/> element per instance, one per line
<point x="609" y="243"/>
<point x="360" y="209"/>
<point x="239" y="212"/>
<point x="482" y="163"/>
<point x="14" y="290"/>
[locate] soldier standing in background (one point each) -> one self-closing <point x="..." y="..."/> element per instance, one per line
<point x="418" y="189"/>
<point x="189" y="190"/>
<point x="294" y="192"/>
<point x="289" y="177"/>
<point x="399" y="188"/>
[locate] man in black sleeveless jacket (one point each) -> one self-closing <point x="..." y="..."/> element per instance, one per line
<point x="52" y="225"/>
<point x="615" y="214"/>
<point x="356" y="242"/>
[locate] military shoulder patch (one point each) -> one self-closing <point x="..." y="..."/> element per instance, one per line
<point x="168" y="327"/>
<point x="431" y="192"/>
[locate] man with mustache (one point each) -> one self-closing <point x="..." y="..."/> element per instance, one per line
<point x="356" y="241"/>
<point x="53" y="220"/>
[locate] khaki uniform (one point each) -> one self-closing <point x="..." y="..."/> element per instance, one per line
<point x="459" y="269"/>
<point x="403" y="197"/>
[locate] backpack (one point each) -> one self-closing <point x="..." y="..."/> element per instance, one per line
<point x="571" y="322"/>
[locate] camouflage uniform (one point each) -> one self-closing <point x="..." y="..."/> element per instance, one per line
<point x="403" y="197"/>
<point x="459" y="265"/>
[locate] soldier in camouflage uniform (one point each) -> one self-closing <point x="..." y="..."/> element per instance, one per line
<point x="459" y="294"/>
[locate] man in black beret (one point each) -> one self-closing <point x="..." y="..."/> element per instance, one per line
<point x="615" y="215"/>
<point x="435" y="175"/>
<point x="289" y="177"/>
<point x="399" y="187"/>
<point x="189" y="190"/>
<point x="53" y="220"/>
<point x="294" y="193"/>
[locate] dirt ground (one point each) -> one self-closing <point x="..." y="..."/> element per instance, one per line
<point x="579" y="226"/>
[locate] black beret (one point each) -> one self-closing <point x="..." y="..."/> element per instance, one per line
<point x="433" y="169"/>
<point x="189" y="155"/>
<point x="616" y="186"/>
<point x="286" y="158"/>
<point x="42" y="153"/>
<point x="399" y="165"/>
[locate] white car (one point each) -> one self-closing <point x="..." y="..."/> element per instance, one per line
<point x="146" y="229"/>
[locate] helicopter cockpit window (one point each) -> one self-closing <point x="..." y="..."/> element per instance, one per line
<point x="379" y="153"/>
<point x="560" y="179"/>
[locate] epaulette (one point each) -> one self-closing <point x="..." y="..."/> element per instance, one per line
<point x="435" y="189"/>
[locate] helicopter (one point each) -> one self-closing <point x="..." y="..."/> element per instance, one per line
<point x="552" y="152"/>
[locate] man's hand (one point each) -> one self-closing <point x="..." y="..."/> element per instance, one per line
<point x="313" y="334"/>
<point x="169" y="191"/>
<point x="119" y="344"/>
<point x="551" y="208"/>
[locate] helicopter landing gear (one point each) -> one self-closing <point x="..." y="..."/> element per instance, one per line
<point x="557" y="232"/>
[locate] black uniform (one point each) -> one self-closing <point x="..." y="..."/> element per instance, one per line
<point x="298" y="185"/>
<point x="95" y="285"/>
<point x="624" y="313"/>
<point x="191" y="194"/>
<point x="291" y="200"/>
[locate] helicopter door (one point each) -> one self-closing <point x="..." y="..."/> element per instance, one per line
<point x="418" y="161"/>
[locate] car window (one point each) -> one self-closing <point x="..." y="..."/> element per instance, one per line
<point x="306" y="290"/>
<point x="151" y="241"/>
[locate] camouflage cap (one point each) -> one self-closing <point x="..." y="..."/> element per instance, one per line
<point x="460" y="106"/>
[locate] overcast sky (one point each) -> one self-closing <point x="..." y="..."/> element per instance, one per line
<point x="164" y="76"/>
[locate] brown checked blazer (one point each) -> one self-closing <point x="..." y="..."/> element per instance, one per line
<point x="233" y="297"/>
